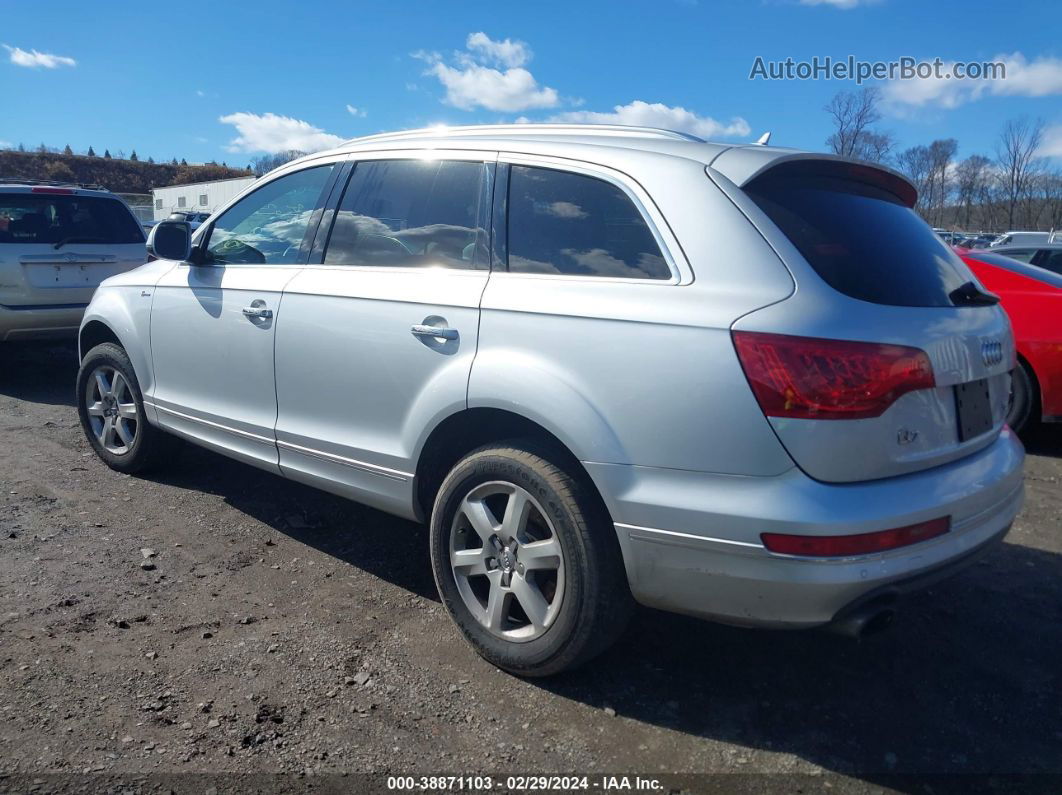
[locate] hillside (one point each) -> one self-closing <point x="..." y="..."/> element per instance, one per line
<point x="120" y="176"/>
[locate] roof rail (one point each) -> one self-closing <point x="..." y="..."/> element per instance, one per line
<point x="50" y="183"/>
<point x="486" y="130"/>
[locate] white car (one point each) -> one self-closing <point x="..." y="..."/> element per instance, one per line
<point x="57" y="243"/>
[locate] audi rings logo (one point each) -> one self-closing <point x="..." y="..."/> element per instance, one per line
<point x="991" y="352"/>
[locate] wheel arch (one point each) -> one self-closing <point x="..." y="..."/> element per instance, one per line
<point x="464" y="431"/>
<point x="1037" y="396"/>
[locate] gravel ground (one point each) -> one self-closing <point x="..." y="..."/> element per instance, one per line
<point x="218" y="619"/>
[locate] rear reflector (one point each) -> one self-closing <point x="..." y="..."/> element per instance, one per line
<point x="821" y="379"/>
<point x="861" y="544"/>
<point x="55" y="191"/>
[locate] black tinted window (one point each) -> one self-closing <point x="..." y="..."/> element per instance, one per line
<point x="571" y="224"/>
<point x="861" y="239"/>
<point x="411" y="213"/>
<point x="51" y="218"/>
<point x="267" y="227"/>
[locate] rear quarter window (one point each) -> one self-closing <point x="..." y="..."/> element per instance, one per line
<point x="861" y="239"/>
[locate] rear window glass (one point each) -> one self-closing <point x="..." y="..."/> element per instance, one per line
<point x="43" y="218"/>
<point x="862" y="240"/>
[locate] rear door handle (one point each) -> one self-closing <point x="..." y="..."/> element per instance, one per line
<point x="442" y="332"/>
<point x="258" y="312"/>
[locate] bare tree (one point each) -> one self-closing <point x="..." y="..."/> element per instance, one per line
<point x="972" y="176"/>
<point x="941" y="154"/>
<point x="916" y="165"/>
<point x="854" y="113"/>
<point x="1017" y="161"/>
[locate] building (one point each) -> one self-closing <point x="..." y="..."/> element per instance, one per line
<point x="200" y="196"/>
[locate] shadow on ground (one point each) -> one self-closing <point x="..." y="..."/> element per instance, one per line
<point x="966" y="682"/>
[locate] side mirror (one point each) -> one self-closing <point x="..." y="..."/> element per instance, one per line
<point x="170" y="240"/>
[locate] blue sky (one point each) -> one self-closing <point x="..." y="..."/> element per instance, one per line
<point x="230" y="80"/>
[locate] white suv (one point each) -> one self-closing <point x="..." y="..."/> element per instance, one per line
<point x="57" y="243"/>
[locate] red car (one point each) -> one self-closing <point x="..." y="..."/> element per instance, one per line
<point x="1032" y="298"/>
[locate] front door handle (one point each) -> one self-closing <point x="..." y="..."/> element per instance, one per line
<point x="441" y="332"/>
<point x="258" y="312"/>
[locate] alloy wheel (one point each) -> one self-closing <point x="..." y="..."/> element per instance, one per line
<point x="507" y="561"/>
<point x="111" y="410"/>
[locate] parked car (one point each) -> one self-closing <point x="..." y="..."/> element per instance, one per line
<point x="194" y="218"/>
<point x="740" y="382"/>
<point x="1032" y="297"/>
<point x="58" y="241"/>
<point x="1022" y="239"/>
<point x="1045" y="255"/>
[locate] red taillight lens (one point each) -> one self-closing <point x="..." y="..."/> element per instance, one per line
<point x="861" y="544"/>
<point x="55" y="191"/>
<point x="820" y="379"/>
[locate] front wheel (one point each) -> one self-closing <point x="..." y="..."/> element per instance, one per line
<point x="111" y="409"/>
<point x="526" y="562"/>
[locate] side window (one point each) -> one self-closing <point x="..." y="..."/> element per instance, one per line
<point x="1052" y="261"/>
<point x="1024" y="255"/>
<point x="570" y="224"/>
<point x="412" y="213"/>
<point x="267" y="227"/>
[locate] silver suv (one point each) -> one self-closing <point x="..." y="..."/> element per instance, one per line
<point x="57" y="243"/>
<point x="606" y="365"/>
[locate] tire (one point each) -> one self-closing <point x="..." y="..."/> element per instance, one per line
<point x="1023" y="399"/>
<point x="549" y="592"/>
<point x="133" y="445"/>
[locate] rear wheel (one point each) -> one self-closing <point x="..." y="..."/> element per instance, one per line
<point x="526" y="562"/>
<point x="111" y="409"/>
<point x="1022" y="404"/>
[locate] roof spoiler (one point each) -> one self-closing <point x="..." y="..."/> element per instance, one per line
<point x="741" y="165"/>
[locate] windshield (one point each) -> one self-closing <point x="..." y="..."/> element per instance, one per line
<point x="27" y="218"/>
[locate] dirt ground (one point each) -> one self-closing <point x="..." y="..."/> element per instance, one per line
<point x="276" y="629"/>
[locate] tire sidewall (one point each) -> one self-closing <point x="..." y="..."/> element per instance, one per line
<point x="1019" y="411"/>
<point x="110" y="355"/>
<point x="496" y="466"/>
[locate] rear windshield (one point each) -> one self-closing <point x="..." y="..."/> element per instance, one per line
<point x="862" y="240"/>
<point x="43" y="218"/>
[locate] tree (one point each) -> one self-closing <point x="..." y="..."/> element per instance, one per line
<point x="916" y="165"/>
<point x="107" y="154"/>
<point x="91" y="152"/>
<point x="67" y="150"/>
<point x="853" y="114"/>
<point x="184" y="162"/>
<point x="22" y="147"/>
<point x="266" y="163"/>
<point x="174" y="162"/>
<point x="972" y="177"/>
<point x="133" y="156"/>
<point x="1017" y="161"/>
<point x="151" y="160"/>
<point x="42" y="149"/>
<point x="941" y="154"/>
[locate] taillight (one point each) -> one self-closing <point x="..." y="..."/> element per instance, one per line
<point x="820" y="379"/>
<point x="860" y="544"/>
<point x="54" y="191"/>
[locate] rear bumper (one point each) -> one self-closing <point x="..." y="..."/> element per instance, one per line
<point x="691" y="541"/>
<point x="40" y="322"/>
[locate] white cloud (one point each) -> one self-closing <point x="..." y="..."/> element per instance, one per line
<point x="1051" y="146"/>
<point x="360" y="113"/>
<point x="842" y="4"/>
<point x="1040" y="77"/>
<point x="272" y="133"/>
<point x="505" y="52"/>
<point x="473" y="81"/>
<point x="34" y="59"/>
<point x="656" y="114"/>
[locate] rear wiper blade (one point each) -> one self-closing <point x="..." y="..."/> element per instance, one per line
<point x="969" y="294"/>
<point x="66" y="240"/>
